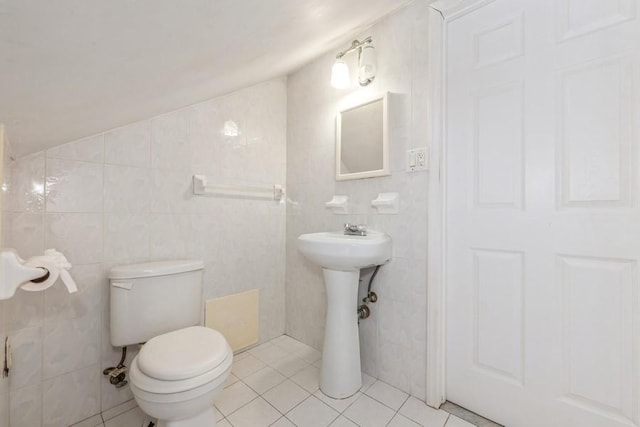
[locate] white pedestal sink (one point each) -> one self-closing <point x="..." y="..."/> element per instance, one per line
<point x="341" y="258"/>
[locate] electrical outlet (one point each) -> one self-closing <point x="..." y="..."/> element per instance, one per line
<point x="417" y="159"/>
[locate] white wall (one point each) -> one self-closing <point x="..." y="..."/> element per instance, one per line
<point x="393" y="338"/>
<point x="125" y="196"/>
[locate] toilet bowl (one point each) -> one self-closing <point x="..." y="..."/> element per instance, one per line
<point x="177" y="375"/>
<point x="182" y="366"/>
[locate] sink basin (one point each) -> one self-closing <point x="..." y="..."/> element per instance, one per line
<point x="341" y="258"/>
<point x="337" y="251"/>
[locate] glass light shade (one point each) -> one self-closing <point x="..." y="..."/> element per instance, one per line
<point x="367" y="65"/>
<point x="340" y="75"/>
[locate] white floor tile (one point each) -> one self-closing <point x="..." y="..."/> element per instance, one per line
<point x="309" y="355"/>
<point x="366" y="411"/>
<point x="290" y="365"/>
<point x="246" y="366"/>
<point x="292" y="346"/>
<point x="259" y="348"/>
<point x="222" y="423"/>
<point x="119" y="409"/>
<point x="285" y="396"/>
<point x="95" y="421"/>
<point x="239" y="356"/>
<point x="402" y="421"/>
<point x="367" y="381"/>
<point x="264" y="380"/>
<point x="134" y="417"/>
<point x="283" y="422"/>
<point x="234" y="397"/>
<point x="285" y="341"/>
<point x="454" y="421"/>
<point x="231" y="379"/>
<point x="308" y="378"/>
<point x="284" y="337"/>
<point x="338" y="404"/>
<point x="268" y="353"/>
<point x="341" y="421"/>
<point x="219" y="415"/>
<point x="312" y="413"/>
<point x="422" y="414"/>
<point x="384" y="393"/>
<point x="257" y="413"/>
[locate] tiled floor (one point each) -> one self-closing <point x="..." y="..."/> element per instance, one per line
<point x="276" y="384"/>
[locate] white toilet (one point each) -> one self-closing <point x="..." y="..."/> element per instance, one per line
<point x="182" y="367"/>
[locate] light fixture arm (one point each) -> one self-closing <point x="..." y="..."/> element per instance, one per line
<point x="355" y="45"/>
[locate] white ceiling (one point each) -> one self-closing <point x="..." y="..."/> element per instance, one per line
<point x="72" y="68"/>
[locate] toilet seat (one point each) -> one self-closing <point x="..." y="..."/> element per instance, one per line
<point x="182" y="354"/>
<point x="181" y="360"/>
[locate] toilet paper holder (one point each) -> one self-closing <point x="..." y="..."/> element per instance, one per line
<point x="35" y="274"/>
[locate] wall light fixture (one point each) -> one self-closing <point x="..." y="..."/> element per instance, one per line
<point x="366" y="65"/>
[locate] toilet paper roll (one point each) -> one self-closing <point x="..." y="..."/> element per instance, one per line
<point x="54" y="273"/>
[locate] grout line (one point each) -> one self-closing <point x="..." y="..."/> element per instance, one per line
<point x="236" y="410"/>
<point x="269" y="403"/>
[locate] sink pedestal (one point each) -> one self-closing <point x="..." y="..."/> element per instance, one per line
<point x="340" y="376"/>
<point x="341" y="257"/>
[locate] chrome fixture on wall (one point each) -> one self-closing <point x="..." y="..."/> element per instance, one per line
<point x="366" y="65"/>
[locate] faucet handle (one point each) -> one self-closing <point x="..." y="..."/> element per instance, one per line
<point x="355" y="229"/>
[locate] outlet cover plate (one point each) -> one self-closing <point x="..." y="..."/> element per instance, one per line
<point x="418" y="159"/>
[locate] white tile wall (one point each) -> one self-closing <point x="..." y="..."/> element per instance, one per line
<point x="125" y="196"/>
<point x="129" y="146"/>
<point x="27" y="355"/>
<point x="89" y="149"/>
<point x="25" y="406"/>
<point x="71" y="397"/>
<point x="393" y="338"/>
<point x="74" y="186"/>
<point x="26" y="185"/>
<point x="7" y="227"/>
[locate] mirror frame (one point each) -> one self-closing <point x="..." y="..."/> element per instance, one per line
<point x="385" y="140"/>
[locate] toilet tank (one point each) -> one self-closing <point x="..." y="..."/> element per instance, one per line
<point x="154" y="298"/>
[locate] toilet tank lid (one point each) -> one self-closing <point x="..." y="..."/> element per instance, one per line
<point x="155" y="268"/>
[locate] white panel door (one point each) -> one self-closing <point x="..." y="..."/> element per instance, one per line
<point x="542" y="212"/>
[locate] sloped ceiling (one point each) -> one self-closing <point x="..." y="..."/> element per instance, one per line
<point x="72" y="68"/>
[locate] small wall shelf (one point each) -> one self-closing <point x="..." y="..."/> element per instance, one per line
<point x="387" y="203"/>
<point x="339" y="205"/>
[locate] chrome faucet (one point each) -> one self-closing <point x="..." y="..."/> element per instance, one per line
<point x="355" y="229"/>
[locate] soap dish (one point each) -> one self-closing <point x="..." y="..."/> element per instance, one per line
<point x="339" y="205"/>
<point x="387" y="203"/>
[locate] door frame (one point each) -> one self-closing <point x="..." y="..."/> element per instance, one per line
<point x="440" y="14"/>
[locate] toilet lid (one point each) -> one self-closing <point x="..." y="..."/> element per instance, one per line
<point x="182" y="354"/>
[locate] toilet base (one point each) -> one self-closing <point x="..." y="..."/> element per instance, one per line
<point x="206" y="418"/>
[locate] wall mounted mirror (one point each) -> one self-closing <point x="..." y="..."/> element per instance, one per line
<point x="362" y="142"/>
